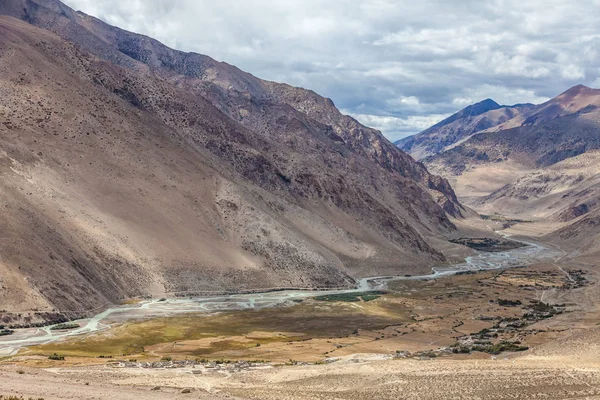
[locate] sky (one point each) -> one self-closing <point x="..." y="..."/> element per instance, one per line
<point x="398" y="66"/>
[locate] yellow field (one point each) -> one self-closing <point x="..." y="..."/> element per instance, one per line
<point x="414" y="316"/>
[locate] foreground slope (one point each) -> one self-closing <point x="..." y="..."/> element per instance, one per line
<point x="120" y="182"/>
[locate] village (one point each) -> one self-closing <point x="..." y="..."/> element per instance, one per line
<point x="197" y="367"/>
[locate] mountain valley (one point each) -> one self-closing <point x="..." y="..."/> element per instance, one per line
<point x="540" y="165"/>
<point x="136" y="170"/>
<point x="176" y="227"/>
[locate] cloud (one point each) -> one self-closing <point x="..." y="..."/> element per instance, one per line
<point x="398" y="127"/>
<point x="396" y="64"/>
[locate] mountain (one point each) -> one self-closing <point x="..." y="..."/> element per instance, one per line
<point x="563" y="127"/>
<point x="579" y="99"/>
<point x="542" y="164"/>
<point x="459" y="127"/>
<point x="582" y="236"/>
<point x="560" y="192"/>
<point x="131" y="169"/>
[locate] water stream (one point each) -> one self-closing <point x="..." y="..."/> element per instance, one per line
<point x="481" y="261"/>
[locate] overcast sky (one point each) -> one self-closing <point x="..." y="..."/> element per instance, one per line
<point x="399" y="66"/>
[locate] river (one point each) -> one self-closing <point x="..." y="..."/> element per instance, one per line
<point x="481" y="261"/>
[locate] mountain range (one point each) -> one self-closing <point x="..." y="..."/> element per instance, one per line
<point x="541" y="164"/>
<point x="131" y="169"/>
<point x="460" y="127"/>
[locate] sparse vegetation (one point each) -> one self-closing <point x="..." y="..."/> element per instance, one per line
<point x="500" y="347"/>
<point x="505" y="220"/>
<point x="539" y="310"/>
<point x="509" y="303"/>
<point x="6" y="332"/>
<point x="56" y="357"/>
<point x="488" y="244"/>
<point x="351" y="297"/>
<point x="486" y="346"/>
<point x="65" y="326"/>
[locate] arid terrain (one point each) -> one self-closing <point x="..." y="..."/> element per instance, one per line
<point x="131" y="169"/>
<point x="539" y="164"/>
<point x="531" y="331"/>
<point x="175" y="227"/>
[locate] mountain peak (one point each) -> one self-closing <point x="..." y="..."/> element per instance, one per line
<point x="479" y="108"/>
<point x="575" y="99"/>
<point x="488" y="102"/>
<point x="576" y="90"/>
<point x="464" y="123"/>
<point x="471" y="111"/>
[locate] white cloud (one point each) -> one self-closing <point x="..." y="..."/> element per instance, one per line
<point x="572" y="72"/>
<point x="505" y="96"/>
<point x="462" y="101"/>
<point x="397" y="63"/>
<point x="397" y="128"/>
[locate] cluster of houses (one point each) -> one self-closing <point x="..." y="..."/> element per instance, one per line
<point x="196" y="367"/>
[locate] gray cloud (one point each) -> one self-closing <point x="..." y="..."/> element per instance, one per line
<point x="396" y="65"/>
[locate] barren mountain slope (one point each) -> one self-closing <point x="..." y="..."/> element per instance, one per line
<point x="227" y="87"/>
<point x="564" y="127"/>
<point x="120" y="182"/>
<point x="579" y="99"/>
<point x="581" y="235"/>
<point x="459" y="127"/>
<point x="560" y="192"/>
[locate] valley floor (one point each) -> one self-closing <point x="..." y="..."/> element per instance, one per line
<point x="435" y="339"/>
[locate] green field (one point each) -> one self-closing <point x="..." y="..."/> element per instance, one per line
<point x="351" y="297"/>
<point x="312" y="319"/>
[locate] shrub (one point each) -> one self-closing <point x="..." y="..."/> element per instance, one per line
<point x="351" y="297"/>
<point x="65" y="326"/>
<point x="500" y="347"/>
<point x="509" y="303"/>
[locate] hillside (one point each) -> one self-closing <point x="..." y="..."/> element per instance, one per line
<point x="130" y="169"/>
<point x="560" y="192"/>
<point x="540" y="165"/>
<point x="459" y="127"/>
<point x="559" y="129"/>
